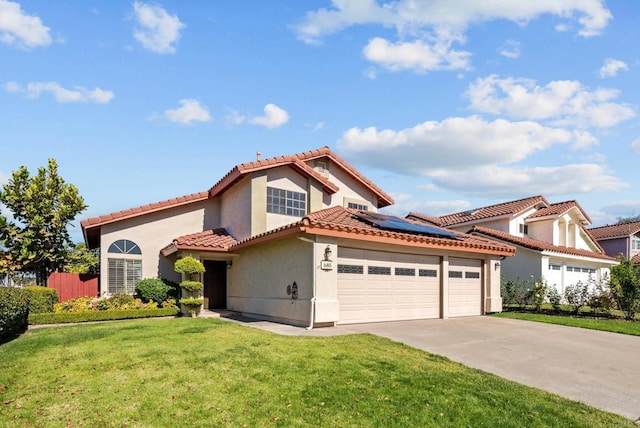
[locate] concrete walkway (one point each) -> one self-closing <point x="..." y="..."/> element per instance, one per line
<point x="597" y="368"/>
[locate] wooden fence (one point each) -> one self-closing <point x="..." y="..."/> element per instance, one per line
<point x="72" y="285"/>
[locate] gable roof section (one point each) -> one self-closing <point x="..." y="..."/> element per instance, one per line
<point x="91" y="226"/>
<point x="342" y="223"/>
<point x="217" y="240"/>
<point x="297" y="162"/>
<point x="537" y="245"/>
<point x="558" y="209"/>
<point x="615" y="230"/>
<point x="498" y="210"/>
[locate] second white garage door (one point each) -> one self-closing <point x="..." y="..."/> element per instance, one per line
<point x="465" y="287"/>
<point x="380" y="286"/>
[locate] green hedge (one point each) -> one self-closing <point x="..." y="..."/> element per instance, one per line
<point x="109" y="314"/>
<point x="14" y="309"/>
<point x="41" y="299"/>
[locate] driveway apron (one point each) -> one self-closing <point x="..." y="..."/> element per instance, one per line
<point x="597" y="368"/>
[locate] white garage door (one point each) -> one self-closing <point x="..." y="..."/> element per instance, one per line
<point x="465" y="287"/>
<point x="380" y="286"/>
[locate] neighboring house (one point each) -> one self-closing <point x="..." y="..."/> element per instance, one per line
<point x="298" y="239"/>
<point x="619" y="239"/>
<point x="551" y="239"/>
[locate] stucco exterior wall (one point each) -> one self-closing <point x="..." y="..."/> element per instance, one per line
<point x="153" y="232"/>
<point x="287" y="179"/>
<point x="257" y="282"/>
<point x="543" y="230"/>
<point x="614" y="247"/>
<point x="235" y="211"/>
<point x="349" y="188"/>
<point x="524" y="265"/>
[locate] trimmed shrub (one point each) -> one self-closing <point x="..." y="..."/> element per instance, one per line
<point x="110" y="314"/>
<point x="152" y="289"/>
<point x="14" y="310"/>
<point x="192" y="285"/>
<point x="625" y="287"/>
<point x="41" y="299"/>
<point x="189" y="266"/>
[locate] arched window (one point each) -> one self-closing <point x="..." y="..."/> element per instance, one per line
<point x="123" y="273"/>
<point x="124" y="246"/>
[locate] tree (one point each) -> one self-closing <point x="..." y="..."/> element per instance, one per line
<point x="625" y="220"/>
<point x="625" y="287"/>
<point x="42" y="206"/>
<point x="80" y="259"/>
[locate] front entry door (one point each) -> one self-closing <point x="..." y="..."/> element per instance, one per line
<point x="215" y="284"/>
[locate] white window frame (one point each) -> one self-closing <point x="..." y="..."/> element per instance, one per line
<point x="122" y="275"/>
<point x="286" y="202"/>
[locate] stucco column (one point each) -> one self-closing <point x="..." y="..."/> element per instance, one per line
<point x="258" y="203"/>
<point x="327" y="309"/>
<point x="444" y="288"/>
<point x="493" y="276"/>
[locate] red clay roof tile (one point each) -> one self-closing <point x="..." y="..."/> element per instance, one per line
<point x="559" y="208"/>
<point x="615" y="230"/>
<point x="210" y="240"/>
<point x="535" y="244"/>
<point x="343" y="220"/>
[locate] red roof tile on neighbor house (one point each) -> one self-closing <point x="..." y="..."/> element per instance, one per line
<point x="342" y="222"/>
<point x="559" y="208"/>
<point x="424" y="218"/>
<point x="497" y="210"/>
<point x="144" y="209"/>
<point x="535" y="244"/>
<point x="615" y="230"/>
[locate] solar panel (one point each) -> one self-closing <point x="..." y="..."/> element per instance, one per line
<point x="389" y="222"/>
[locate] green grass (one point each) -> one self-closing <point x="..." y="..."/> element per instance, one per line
<point x="206" y="372"/>
<point x="604" y="324"/>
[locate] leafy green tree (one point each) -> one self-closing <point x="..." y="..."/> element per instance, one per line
<point x="42" y="206"/>
<point x="80" y="259"/>
<point x="625" y="287"/>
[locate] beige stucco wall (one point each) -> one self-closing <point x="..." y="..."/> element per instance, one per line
<point x="349" y="189"/>
<point x="235" y="211"/>
<point x="153" y="232"/>
<point x="257" y="281"/>
<point x="287" y="179"/>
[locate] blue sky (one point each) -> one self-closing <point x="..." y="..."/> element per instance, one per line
<point x="445" y="105"/>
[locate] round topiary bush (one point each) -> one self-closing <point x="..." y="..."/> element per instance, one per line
<point x="152" y="289"/>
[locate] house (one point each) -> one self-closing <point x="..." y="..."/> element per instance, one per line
<point x="298" y="239"/>
<point x="619" y="239"/>
<point x="552" y="240"/>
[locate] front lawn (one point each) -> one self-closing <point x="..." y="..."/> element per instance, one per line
<point x="604" y="324"/>
<point x="207" y="372"/>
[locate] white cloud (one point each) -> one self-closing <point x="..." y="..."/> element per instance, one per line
<point x="434" y="25"/>
<point x="157" y="31"/>
<point x="406" y="203"/>
<point x="563" y="102"/>
<point x="418" y="55"/>
<point x="234" y="118"/>
<point x="458" y="142"/>
<point x="621" y="209"/>
<point x="635" y="145"/>
<point x="510" y="49"/>
<point x="273" y="117"/>
<point x="611" y="68"/>
<point x="19" y="29"/>
<point x="189" y="112"/>
<point x="412" y="16"/>
<point x="76" y="95"/>
<point x="501" y="181"/>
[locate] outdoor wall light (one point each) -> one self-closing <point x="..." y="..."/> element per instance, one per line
<point x="327" y="253"/>
<point x="229" y="264"/>
<point x="496" y="266"/>
<point x="294" y="290"/>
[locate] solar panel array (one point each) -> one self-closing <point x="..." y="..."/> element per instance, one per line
<point x="397" y="224"/>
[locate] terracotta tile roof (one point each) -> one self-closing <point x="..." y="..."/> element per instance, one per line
<point x="424" y="218"/>
<point x="144" y="209"/>
<point x="535" y="244"/>
<point x="497" y="210"/>
<point x="341" y="222"/>
<point x="297" y="161"/>
<point x="636" y="259"/>
<point x="615" y="230"/>
<point x="208" y="240"/>
<point x="559" y="208"/>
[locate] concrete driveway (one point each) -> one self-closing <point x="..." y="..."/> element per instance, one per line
<point x="597" y="368"/>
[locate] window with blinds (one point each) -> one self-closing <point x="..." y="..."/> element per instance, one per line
<point x="123" y="275"/>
